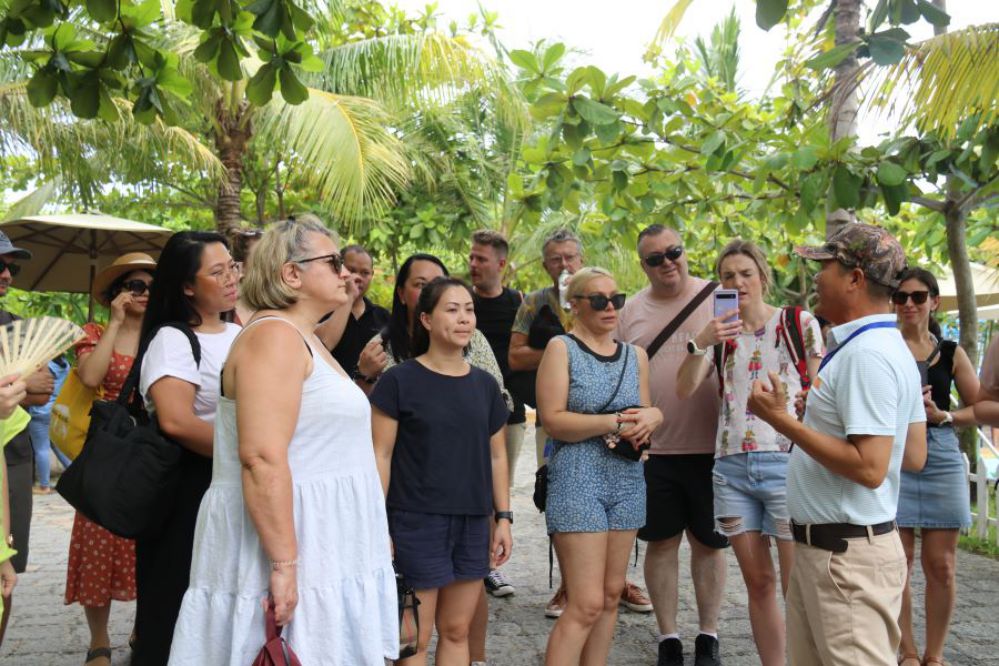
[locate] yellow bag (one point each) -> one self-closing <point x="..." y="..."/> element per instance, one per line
<point x="71" y="415"/>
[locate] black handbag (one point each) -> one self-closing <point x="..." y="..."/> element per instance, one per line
<point x="409" y="617"/>
<point x="126" y="476"/>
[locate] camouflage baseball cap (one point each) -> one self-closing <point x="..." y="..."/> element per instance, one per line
<point x="864" y="246"/>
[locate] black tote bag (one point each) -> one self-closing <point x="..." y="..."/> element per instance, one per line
<point x="126" y="476"/>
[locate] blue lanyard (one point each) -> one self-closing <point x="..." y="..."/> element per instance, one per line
<point x="865" y="327"/>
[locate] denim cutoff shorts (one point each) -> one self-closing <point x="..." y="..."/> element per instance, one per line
<point x="753" y="488"/>
<point x="937" y="497"/>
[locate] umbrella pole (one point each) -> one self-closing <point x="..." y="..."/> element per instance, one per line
<point x="93" y="274"/>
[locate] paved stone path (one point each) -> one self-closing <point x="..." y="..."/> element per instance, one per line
<point x="44" y="632"/>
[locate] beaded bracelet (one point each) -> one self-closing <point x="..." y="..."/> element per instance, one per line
<point x="283" y="563"/>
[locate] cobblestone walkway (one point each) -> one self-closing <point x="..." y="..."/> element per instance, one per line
<point x="44" y="632"/>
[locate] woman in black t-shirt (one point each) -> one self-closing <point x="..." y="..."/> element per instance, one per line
<point x="438" y="430"/>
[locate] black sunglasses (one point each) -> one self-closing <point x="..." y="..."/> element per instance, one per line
<point x="918" y="297"/>
<point x="10" y="266"/>
<point x="136" y="287"/>
<point x="599" y="302"/>
<point x="658" y="258"/>
<point x="334" y="259"/>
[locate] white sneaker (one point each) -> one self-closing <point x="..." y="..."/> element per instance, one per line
<point x="498" y="585"/>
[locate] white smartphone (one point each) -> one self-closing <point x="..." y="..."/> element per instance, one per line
<point x="726" y="300"/>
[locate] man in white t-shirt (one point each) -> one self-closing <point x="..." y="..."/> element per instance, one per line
<point x="864" y="422"/>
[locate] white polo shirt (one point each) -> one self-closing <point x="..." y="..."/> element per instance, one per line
<point x="870" y="387"/>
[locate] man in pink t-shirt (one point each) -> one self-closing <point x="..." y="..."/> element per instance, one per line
<point x="678" y="472"/>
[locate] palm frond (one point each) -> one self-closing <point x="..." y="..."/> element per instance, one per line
<point x="33" y="202"/>
<point x="941" y="82"/>
<point x="667" y="28"/>
<point x="418" y="71"/>
<point x="350" y="156"/>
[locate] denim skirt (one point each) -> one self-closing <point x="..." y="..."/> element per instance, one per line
<point x="938" y="496"/>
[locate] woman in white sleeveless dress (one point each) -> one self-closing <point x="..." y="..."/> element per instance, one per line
<point x="295" y="514"/>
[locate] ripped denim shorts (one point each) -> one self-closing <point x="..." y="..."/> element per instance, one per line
<point x="751" y="494"/>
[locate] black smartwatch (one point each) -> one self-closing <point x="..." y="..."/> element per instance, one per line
<point x="500" y="515"/>
<point x="357" y="376"/>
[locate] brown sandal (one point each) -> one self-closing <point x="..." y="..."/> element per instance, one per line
<point x="909" y="657"/>
<point x="929" y="661"/>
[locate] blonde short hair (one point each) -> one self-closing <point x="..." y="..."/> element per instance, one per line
<point x="583" y="277"/>
<point x="262" y="287"/>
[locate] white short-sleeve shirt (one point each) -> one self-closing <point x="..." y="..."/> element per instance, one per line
<point x="870" y="387"/>
<point x="169" y="355"/>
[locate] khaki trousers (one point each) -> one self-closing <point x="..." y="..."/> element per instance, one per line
<point x="843" y="608"/>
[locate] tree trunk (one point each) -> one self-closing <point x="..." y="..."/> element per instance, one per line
<point x="844" y="102"/>
<point x="231" y="140"/>
<point x="957" y="252"/>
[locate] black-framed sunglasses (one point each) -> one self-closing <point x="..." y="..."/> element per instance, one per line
<point x="10" y="266"/>
<point x="918" y="297"/>
<point x="333" y="259"/>
<point x="658" y="258"/>
<point x="136" y="287"/>
<point x="599" y="302"/>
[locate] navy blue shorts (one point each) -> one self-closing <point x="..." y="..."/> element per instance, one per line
<point x="433" y="550"/>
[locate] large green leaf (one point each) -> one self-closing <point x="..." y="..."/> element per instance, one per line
<point x="888" y="47"/>
<point x="891" y="174"/>
<point x="291" y="88"/>
<point x="260" y="89"/>
<point x="832" y="57"/>
<point x="770" y="12"/>
<point x="933" y="14"/>
<point x="846" y="187"/>
<point x="595" y="113"/>
<point x="102" y="11"/>
<point x="42" y="87"/>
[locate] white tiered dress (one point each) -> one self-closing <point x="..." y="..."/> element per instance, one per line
<point x="347" y="613"/>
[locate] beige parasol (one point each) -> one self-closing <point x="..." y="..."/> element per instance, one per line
<point x="986" y="281"/>
<point x="68" y="250"/>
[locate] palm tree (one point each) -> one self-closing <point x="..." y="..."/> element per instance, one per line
<point x="344" y="138"/>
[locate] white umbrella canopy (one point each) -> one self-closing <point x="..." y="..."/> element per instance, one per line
<point x="68" y="250"/>
<point x="985" y="279"/>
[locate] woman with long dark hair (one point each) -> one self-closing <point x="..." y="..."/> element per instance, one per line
<point x="195" y="282"/>
<point x="438" y="425"/>
<point x="935" y="499"/>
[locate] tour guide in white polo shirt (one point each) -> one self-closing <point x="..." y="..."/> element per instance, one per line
<point x="863" y="423"/>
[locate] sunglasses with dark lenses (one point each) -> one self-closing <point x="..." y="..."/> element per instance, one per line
<point x="658" y="258"/>
<point x="136" y="287"/>
<point x="334" y="260"/>
<point x="10" y="266"/>
<point x="599" y="302"/>
<point x="918" y="297"/>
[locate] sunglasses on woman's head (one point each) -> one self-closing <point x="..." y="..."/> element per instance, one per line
<point x="599" y="302"/>
<point x="658" y="258"/>
<point x="10" y="266"/>
<point x="918" y="297"/>
<point x="136" y="287"/>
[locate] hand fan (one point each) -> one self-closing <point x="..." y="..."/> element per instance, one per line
<point x="28" y="344"/>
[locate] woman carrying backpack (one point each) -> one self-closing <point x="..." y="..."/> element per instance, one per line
<point x="750" y="456"/>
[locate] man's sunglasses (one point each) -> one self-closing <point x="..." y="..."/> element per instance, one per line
<point x="658" y="258"/>
<point x="136" y="287"/>
<point x="599" y="302"/>
<point x="10" y="266"/>
<point x="334" y="260"/>
<point x="918" y="297"/>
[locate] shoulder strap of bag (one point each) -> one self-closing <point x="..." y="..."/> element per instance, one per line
<point x="790" y="330"/>
<point x="620" y="378"/>
<point x="933" y="354"/>
<point x="132" y="381"/>
<point x="681" y="317"/>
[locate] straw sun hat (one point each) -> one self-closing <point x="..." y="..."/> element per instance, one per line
<point x="126" y="263"/>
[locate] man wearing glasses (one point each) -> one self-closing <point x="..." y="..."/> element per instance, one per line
<point x="18" y="452"/>
<point x="680" y="496"/>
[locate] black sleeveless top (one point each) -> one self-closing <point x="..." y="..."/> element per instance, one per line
<point x="941" y="375"/>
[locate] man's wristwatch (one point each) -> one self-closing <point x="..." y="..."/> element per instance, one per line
<point x="948" y="419"/>
<point x="500" y="515"/>
<point x="694" y="350"/>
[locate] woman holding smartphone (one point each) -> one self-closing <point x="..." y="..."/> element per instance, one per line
<point x="751" y="457"/>
<point x="438" y="424"/>
<point x="935" y="499"/>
